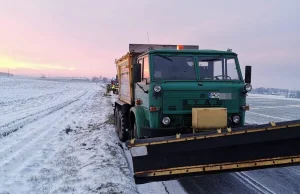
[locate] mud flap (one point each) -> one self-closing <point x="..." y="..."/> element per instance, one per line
<point x="245" y="148"/>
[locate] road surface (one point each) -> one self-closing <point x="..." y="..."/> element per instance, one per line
<point x="276" y="180"/>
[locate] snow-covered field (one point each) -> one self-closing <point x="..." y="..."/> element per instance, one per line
<point x="58" y="137"/>
<point x="266" y="108"/>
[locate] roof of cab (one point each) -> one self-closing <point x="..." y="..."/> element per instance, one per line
<point x="190" y="51"/>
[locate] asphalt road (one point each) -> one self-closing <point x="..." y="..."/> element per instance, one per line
<point x="276" y="180"/>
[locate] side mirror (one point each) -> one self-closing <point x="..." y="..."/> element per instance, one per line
<point x="137" y="73"/>
<point x="248" y="74"/>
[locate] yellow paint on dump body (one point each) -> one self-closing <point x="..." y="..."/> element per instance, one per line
<point x="221" y="166"/>
<point x="209" y="118"/>
<point x="124" y="68"/>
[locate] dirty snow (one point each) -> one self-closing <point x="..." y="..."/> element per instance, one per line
<point x="58" y="137"/>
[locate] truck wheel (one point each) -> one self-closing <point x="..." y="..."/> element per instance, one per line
<point x="123" y="125"/>
<point x="134" y="131"/>
<point x="116" y="116"/>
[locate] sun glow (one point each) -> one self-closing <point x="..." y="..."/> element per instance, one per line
<point x="6" y="62"/>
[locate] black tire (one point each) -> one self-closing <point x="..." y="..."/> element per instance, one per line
<point x="123" y="125"/>
<point x="134" y="131"/>
<point x="117" y="120"/>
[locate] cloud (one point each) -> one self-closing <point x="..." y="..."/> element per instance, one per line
<point x="90" y="36"/>
<point x="6" y="62"/>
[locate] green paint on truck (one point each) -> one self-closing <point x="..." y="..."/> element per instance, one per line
<point x="159" y="86"/>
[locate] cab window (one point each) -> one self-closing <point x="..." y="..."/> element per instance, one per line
<point x="141" y="61"/>
<point x="218" y="68"/>
<point x="146" y="74"/>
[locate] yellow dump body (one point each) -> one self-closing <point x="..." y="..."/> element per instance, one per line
<point x="124" y="69"/>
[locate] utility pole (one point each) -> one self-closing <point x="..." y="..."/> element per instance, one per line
<point x="8" y="73"/>
<point x="148" y="38"/>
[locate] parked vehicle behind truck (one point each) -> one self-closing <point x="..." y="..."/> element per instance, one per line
<point x="181" y="111"/>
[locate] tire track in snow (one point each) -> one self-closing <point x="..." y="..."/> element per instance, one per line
<point x="34" y="133"/>
<point x="243" y="177"/>
<point x="31" y="103"/>
<point x="13" y="154"/>
<point x="294" y="170"/>
<point x="18" y="157"/>
<point x="13" y="102"/>
<point x="34" y="109"/>
<point x="19" y="123"/>
<point x="268" y="116"/>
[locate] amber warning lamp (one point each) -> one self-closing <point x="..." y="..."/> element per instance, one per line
<point x="179" y="47"/>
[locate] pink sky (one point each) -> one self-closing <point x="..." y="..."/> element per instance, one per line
<point x="83" y="38"/>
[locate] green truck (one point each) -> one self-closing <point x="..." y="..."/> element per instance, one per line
<point x="181" y="112"/>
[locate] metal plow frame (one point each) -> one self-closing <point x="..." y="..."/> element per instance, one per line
<point x="245" y="148"/>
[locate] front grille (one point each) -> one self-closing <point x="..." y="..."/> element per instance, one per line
<point x="187" y="120"/>
<point x="171" y="108"/>
<point x="203" y="96"/>
<point x="189" y="107"/>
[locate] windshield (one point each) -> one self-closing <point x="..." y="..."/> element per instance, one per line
<point x="218" y="68"/>
<point x="174" y="67"/>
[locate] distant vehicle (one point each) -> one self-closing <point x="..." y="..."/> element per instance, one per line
<point x="181" y="112"/>
<point x="80" y="79"/>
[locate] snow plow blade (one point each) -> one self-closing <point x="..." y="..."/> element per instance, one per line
<point x="236" y="149"/>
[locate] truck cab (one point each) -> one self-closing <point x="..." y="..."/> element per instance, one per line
<point x="169" y="87"/>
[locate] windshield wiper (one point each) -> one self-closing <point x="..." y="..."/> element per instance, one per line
<point x="146" y="91"/>
<point x="163" y="56"/>
<point x="173" y="55"/>
<point x="212" y="59"/>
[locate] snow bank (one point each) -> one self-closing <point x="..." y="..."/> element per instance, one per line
<point x="92" y="161"/>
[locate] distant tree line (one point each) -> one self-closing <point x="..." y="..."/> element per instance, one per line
<point x="277" y="91"/>
<point x="100" y="79"/>
<point x="6" y="74"/>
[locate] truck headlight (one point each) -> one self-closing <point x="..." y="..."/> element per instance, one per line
<point x="157" y="88"/>
<point x="166" y="120"/>
<point x="236" y="119"/>
<point x="248" y="87"/>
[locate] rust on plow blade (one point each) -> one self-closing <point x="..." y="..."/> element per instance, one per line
<point x="244" y="148"/>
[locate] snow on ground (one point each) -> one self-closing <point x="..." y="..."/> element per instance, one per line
<point x="267" y="108"/>
<point x="274" y="97"/>
<point x="58" y="137"/>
